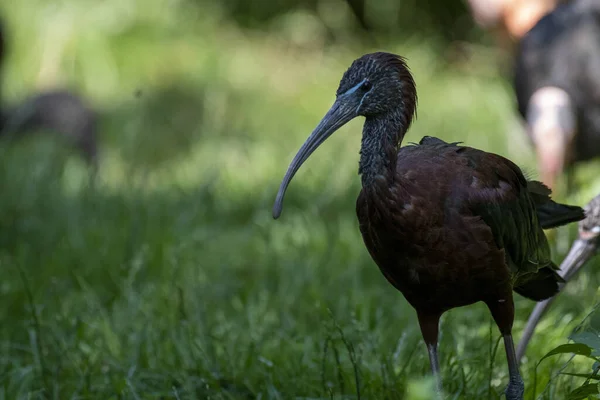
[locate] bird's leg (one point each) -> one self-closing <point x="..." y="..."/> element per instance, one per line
<point x="516" y="387"/>
<point x="429" y="328"/>
<point x="503" y="311"/>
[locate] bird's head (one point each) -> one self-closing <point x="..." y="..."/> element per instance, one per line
<point x="588" y="242"/>
<point x="375" y="85"/>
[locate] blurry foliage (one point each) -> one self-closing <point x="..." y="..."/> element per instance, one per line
<point x="586" y="344"/>
<point x="156" y="127"/>
<point x="448" y="20"/>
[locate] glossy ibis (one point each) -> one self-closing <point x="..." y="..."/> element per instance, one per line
<point x="583" y="248"/>
<point x="557" y="85"/>
<point x="59" y="112"/>
<point x="448" y="225"/>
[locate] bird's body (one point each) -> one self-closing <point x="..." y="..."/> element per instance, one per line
<point x="557" y="86"/>
<point x="582" y="250"/>
<point x="422" y="232"/>
<point x="448" y="225"/>
<point x="59" y="112"/>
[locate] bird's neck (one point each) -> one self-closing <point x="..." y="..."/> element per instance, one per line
<point x="381" y="139"/>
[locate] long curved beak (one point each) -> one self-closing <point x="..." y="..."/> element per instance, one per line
<point x="339" y="114"/>
<point x="581" y="251"/>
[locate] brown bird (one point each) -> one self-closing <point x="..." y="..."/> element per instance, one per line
<point x="447" y="225"/>
<point x="582" y="250"/>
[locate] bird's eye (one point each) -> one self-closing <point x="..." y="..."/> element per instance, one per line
<point x="367" y="85"/>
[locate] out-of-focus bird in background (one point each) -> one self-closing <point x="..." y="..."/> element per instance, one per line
<point x="55" y="111"/>
<point x="557" y="86"/>
<point x="59" y="112"/>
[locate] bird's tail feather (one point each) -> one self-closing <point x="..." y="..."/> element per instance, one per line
<point x="550" y="213"/>
<point x="542" y="285"/>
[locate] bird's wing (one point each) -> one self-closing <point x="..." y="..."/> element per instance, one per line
<point x="498" y="193"/>
<point x="494" y="189"/>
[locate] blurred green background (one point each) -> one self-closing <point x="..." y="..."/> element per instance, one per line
<point x="169" y="279"/>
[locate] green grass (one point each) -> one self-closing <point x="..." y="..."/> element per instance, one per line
<point x="169" y="278"/>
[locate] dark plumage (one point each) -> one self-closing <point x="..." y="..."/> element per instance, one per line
<point x="582" y="250"/>
<point x="448" y="225"/>
<point x="557" y="84"/>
